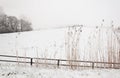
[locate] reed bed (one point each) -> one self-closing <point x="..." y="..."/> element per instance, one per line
<point x="103" y="45"/>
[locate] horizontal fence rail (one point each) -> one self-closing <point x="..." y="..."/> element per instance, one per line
<point x="58" y="62"/>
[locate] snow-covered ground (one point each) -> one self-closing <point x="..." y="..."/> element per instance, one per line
<point x="51" y="44"/>
<point x="14" y="71"/>
<point x="55" y="43"/>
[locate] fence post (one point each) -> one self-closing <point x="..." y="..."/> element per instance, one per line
<point x="58" y="63"/>
<point x="31" y="61"/>
<point x="92" y="65"/>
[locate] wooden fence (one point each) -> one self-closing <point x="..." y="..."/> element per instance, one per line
<point x="58" y="62"/>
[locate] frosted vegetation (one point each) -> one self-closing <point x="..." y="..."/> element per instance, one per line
<point x="10" y="24"/>
<point x="101" y="44"/>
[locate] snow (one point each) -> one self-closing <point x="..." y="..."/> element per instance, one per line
<point x="31" y="42"/>
<point x="13" y="71"/>
<point x="51" y="43"/>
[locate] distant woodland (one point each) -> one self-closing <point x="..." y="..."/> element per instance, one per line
<point x="9" y="24"/>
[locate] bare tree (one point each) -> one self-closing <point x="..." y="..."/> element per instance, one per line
<point x="25" y="25"/>
<point x="13" y="23"/>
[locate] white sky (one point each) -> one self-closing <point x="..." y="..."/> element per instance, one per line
<point x="46" y="13"/>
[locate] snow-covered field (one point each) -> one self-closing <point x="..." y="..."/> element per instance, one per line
<point x="51" y="44"/>
<point x="13" y="71"/>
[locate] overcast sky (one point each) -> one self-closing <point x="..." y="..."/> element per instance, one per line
<point x="49" y="13"/>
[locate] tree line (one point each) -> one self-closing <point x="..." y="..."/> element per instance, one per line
<point x="9" y="24"/>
